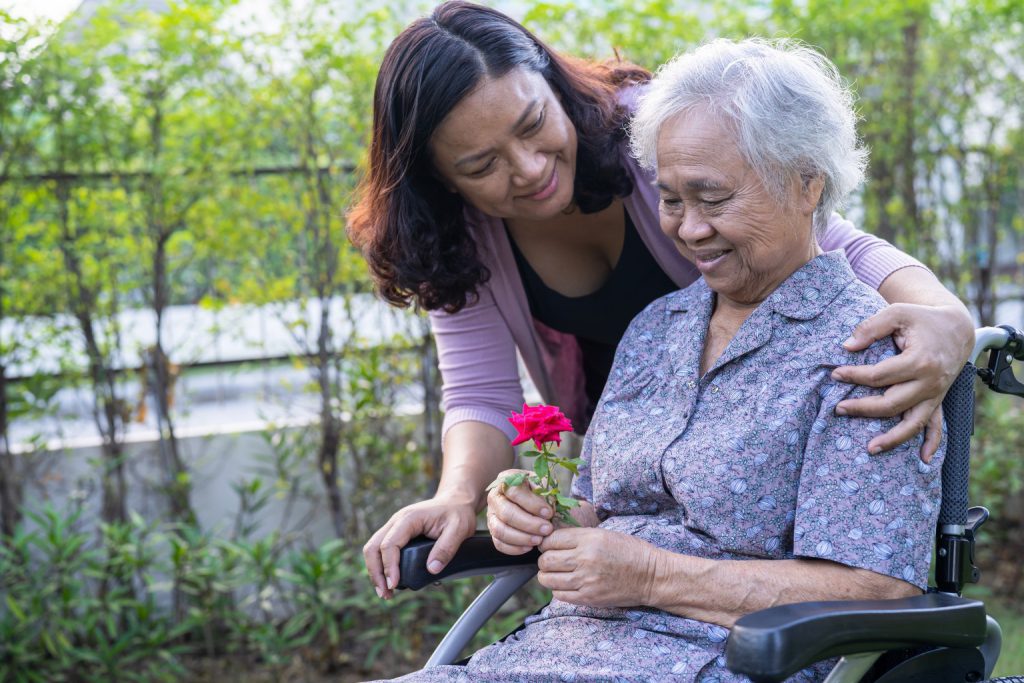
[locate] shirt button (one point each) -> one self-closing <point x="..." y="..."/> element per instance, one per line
<point x="691" y="384"/>
<point x="714" y="389"/>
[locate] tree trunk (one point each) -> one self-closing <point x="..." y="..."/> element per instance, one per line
<point x="108" y="407"/>
<point x="10" y="481"/>
<point x="432" y="419"/>
<point x="177" y="482"/>
<point x="908" y="157"/>
<point x="330" y="424"/>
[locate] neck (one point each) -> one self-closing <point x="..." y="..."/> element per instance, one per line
<point x="747" y="306"/>
<point x="730" y="313"/>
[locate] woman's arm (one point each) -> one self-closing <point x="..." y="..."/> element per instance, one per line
<point x="933" y="329"/>
<point x="481" y="386"/>
<point x="728" y="589"/>
<point x="474" y="454"/>
<point x="935" y="334"/>
<point x="602" y="568"/>
<point x="479" y="368"/>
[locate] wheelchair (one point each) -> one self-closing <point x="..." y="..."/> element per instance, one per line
<point x="937" y="637"/>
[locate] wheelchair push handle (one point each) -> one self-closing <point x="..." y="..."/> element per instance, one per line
<point x="958" y="408"/>
<point x="1006" y="344"/>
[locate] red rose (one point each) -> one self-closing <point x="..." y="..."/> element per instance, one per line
<point x="540" y="423"/>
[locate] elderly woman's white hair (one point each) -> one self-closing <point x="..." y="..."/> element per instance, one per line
<point x="792" y="114"/>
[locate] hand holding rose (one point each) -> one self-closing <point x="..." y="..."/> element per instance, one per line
<point x="519" y="519"/>
<point x="544" y="426"/>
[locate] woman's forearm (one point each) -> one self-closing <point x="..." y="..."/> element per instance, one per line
<point x="722" y="591"/>
<point x="918" y="286"/>
<point x="474" y="454"/>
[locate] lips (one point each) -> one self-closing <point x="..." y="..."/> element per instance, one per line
<point x="709" y="255"/>
<point x="549" y="188"/>
<point x="708" y="260"/>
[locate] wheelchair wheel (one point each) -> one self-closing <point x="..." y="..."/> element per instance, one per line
<point x="1008" y="679"/>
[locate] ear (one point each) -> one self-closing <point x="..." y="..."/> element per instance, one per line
<point x="810" y="191"/>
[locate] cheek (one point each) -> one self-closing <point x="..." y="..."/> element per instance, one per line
<point x="670" y="228"/>
<point x="485" y="191"/>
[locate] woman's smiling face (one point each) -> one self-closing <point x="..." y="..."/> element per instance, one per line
<point x="508" y="148"/>
<point x="715" y="208"/>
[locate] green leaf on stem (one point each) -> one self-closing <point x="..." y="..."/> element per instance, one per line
<point x="567" y="518"/>
<point x="515" y="479"/>
<point x="541" y="468"/>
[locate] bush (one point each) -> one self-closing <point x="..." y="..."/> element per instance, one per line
<point x="140" y="603"/>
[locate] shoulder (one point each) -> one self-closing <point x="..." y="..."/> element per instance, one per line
<point x="855" y="303"/>
<point x="822" y="304"/>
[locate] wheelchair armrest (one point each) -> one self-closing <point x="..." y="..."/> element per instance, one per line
<point x="477" y="555"/>
<point x="772" y="644"/>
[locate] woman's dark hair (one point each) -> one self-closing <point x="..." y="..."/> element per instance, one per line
<point x="408" y="225"/>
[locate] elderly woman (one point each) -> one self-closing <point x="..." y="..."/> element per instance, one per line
<point x="718" y="479"/>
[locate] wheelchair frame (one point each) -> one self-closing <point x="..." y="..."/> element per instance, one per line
<point x="936" y="637"/>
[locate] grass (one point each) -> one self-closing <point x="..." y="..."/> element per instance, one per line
<point x="1011" y="619"/>
<point x="1011" y="659"/>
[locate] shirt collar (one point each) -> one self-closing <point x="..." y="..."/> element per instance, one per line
<point x="804" y="295"/>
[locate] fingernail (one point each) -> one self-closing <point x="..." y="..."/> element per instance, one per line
<point x="391" y="584"/>
<point x="849" y="340"/>
<point x="875" y="450"/>
<point x="435" y="566"/>
<point x="544" y="512"/>
<point x="545" y="528"/>
<point x="840" y="410"/>
<point x="380" y="593"/>
<point x="535" y="539"/>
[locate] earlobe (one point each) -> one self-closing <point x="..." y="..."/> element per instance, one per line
<point x="811" y="188"/>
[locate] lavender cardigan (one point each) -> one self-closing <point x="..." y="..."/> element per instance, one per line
<point x="477" y="346"/>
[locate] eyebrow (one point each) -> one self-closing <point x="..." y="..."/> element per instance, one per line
<point x="697" y="185"/>
<point x="519" y="122"/>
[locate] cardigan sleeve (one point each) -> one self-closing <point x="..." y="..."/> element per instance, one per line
<point x="872" y="258"/>
<point x="479" y="369"/>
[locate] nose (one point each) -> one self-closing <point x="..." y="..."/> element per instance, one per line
<point x="693" y="226"/>
<point x="528" y="166"/>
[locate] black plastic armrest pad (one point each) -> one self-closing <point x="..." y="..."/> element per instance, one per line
<point x="476" y="553"/>
<point x="772" y="644"/>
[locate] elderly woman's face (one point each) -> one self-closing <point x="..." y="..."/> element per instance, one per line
<point x="508" y="148"/>
<point x="716" y="210"/>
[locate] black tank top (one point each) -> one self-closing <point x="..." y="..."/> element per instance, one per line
<point x="599" y="319"/>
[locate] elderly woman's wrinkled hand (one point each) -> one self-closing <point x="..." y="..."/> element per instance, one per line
<point x="597" y="567"/>
<point x="934" y="344"/>
<point x="517" y="518"/>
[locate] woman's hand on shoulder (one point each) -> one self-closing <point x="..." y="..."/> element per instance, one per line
<point x="598" y="568"/>
<point x="934" y="343"/>
<point x="448" y="519"/>
<point x="517" y="518"/>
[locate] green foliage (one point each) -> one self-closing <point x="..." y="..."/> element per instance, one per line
<point x="998" y="468"/>
<point x="75" y="609"/>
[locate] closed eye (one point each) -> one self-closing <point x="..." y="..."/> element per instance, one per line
<point x="481" y="171"/>
<point x="536" y="125"/>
